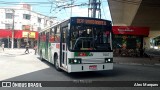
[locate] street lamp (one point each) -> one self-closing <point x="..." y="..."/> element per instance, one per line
<point x="13" y="30"/>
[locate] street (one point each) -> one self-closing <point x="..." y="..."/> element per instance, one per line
<point x="28" y="67"/>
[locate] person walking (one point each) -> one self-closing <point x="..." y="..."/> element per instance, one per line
<point x="35" y="49"/>
<point x="27" y="48"/>
<point x="3" y="46"/>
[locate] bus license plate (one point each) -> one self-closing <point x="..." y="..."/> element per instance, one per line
<point x="93" y="67"/>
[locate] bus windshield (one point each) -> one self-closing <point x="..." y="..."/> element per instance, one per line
<point x="84" y="38"/>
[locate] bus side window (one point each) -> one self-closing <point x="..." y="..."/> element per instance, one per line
<point x="51" y="38"/>
<point x="64" y="35"/>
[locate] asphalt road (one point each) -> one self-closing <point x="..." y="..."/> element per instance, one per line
<point x="27" y="67"/>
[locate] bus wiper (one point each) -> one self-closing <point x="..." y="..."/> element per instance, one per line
<point x="83" y="39"/>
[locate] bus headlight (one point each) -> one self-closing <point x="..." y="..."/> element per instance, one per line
<point x="74" y="61"/>
<point x="108" y="60"/>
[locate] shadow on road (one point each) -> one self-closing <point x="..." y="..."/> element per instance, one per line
<point x="87" y="75"/>
<point x="50" y="74"/>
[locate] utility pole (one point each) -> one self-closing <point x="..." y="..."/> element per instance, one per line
<point x="71" y="7"/>
<point x="13" y="30"/>
<point x="94" y="7"/>
<point x="8" y="41"/>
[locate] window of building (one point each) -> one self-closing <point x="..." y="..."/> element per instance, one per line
<point x="9" y="15"/>
<point x="8" y="26"/>
<point x="26" y="16"/>
<point x="39" y="20"/>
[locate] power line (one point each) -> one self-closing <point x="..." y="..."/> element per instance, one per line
<point x="65" y="12"/>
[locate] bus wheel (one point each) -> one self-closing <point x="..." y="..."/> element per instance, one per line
<point x="56" y="63"/>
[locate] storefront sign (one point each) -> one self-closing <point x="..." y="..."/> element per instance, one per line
<point x="28" y="34"/>
<point x="144" y="31"/>
<point x="26" y="27"/>
<point x="125" y="30"/>
<point x="26" y="6"/>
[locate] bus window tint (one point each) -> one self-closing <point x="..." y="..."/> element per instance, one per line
<point x="89" y="38"/>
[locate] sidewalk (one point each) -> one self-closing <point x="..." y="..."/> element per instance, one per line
<point x="136" y="61"/>
<point x="14" y="51"/>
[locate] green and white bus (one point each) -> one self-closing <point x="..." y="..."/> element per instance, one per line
<point x="78" y="44"/>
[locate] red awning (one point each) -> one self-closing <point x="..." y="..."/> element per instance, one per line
<point x="128" y="30"/>
<point x="17" y="33"/>
<point x="4" y="33"/>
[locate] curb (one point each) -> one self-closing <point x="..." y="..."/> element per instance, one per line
<point x="139" y="64"/>
<point x="157" y="64"/>
<point x="129" y="63"/>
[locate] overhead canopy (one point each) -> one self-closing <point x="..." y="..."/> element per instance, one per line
<point x="143" y="13"/>
<point x="5" y="33"/>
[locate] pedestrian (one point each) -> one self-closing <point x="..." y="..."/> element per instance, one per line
<point x="3" y="46"/>
<point x="27" y="48"/>
<point x="35" y="49"/>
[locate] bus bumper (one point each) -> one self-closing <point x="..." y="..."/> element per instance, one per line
<point x="89" y="67"/>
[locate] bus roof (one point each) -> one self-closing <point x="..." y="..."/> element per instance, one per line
<point x="55" y="24"/>
<point x="58" y="23"/>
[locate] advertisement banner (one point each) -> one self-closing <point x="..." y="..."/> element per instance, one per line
<point x="28" y="34"/>
<point x="129" y="30"/>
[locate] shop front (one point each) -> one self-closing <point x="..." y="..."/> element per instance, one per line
<point x="5" y="36"/>
<point x="30" y="37"/>
<point x="21" y="37"/>
<point x="128" y="41"/>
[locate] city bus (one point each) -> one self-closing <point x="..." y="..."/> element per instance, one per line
<point x="78" y="44"/>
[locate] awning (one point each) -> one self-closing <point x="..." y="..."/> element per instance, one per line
<point x="18" y="34"/>
<point x="128" y="30"/>
<point x="4" y="33"/>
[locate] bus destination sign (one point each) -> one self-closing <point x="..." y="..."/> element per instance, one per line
<point x="92" y="22"/>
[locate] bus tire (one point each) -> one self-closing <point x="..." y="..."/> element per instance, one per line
<point x="56" y="65"/>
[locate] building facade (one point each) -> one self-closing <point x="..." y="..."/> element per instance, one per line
<point x="129" y="40"/>
<point x="20" y="24"/>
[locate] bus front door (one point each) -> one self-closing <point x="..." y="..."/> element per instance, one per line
<point x="63" y="49"/>
<point x="46" y="45"/>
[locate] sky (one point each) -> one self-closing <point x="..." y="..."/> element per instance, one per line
<point x="49" y="8"/>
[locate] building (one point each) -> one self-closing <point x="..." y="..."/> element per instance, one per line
<point x="129" y="40"/>
<point x="22" y="24"/>
<point x="138" y="13"/>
